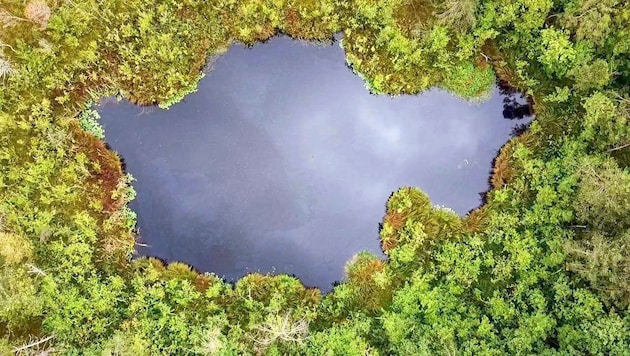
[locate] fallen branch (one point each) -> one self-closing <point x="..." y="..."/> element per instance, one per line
<point x="33" y="344"/>
<point x="619" y="147"/>
<point x="7" y="19"/>
<point x="35" y="270"/>
<point x="2" y="44"/>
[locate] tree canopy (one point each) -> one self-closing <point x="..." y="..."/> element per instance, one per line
<point x="542" y="267"/>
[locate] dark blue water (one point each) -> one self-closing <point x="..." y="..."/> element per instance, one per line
<point x="282" y="162"/>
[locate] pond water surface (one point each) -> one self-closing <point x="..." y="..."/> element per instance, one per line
<point x="282" y="162"/>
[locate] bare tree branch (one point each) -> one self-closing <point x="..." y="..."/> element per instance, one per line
<point x="619" y="147"/>
<point x="33" y="344"/>
<point x="35" y="270"/>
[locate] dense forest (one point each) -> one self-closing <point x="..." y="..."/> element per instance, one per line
<point x="543" y="267"/>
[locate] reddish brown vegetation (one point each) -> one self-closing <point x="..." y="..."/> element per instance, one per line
<point x="396" y="220"/>
<point x="475" y="221"/>
<point x="115" y="239"/>
<point x="363" y="272"/>
<point x="413" y="14"/>
<point x="504" y="71"/>
<point x="292" y="20"/>
<point x="106" y="168"/>
<point x="502" y="171"/>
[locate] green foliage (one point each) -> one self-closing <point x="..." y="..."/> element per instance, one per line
<point x="471" y="82"/>
<point x="558" y="54"/>
<point x="125" y="343"/>
<point x="603" y="198"/>
<point x="458" y="15"/>
<point x="591" y="76"/>
<point x="412" y="227"/>
<point x="606" y="121"/>
<point x="542" y="268"/>
<point x="590" y="20"/>
<point x="275" y="314"/>
<point x="367" y="288"/>
<point x="20" y="305"/>
<point x="604" y="262"/>
<point x="89" y="122"/>
<point x="5" y="347"/>
<point x="345" y="339"/>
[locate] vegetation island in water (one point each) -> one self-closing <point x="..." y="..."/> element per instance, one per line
<point x="543" y="267"/>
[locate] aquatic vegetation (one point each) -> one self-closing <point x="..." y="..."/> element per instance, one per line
<point x="541" y="268"/>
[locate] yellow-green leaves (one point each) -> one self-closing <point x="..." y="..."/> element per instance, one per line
<point x="14" y="249"/>
<point x="558" y="54"/>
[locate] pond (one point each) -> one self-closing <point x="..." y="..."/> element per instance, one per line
<point x="282" y="161"/>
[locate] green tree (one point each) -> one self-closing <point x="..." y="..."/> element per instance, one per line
<point x="603" y="198"/>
